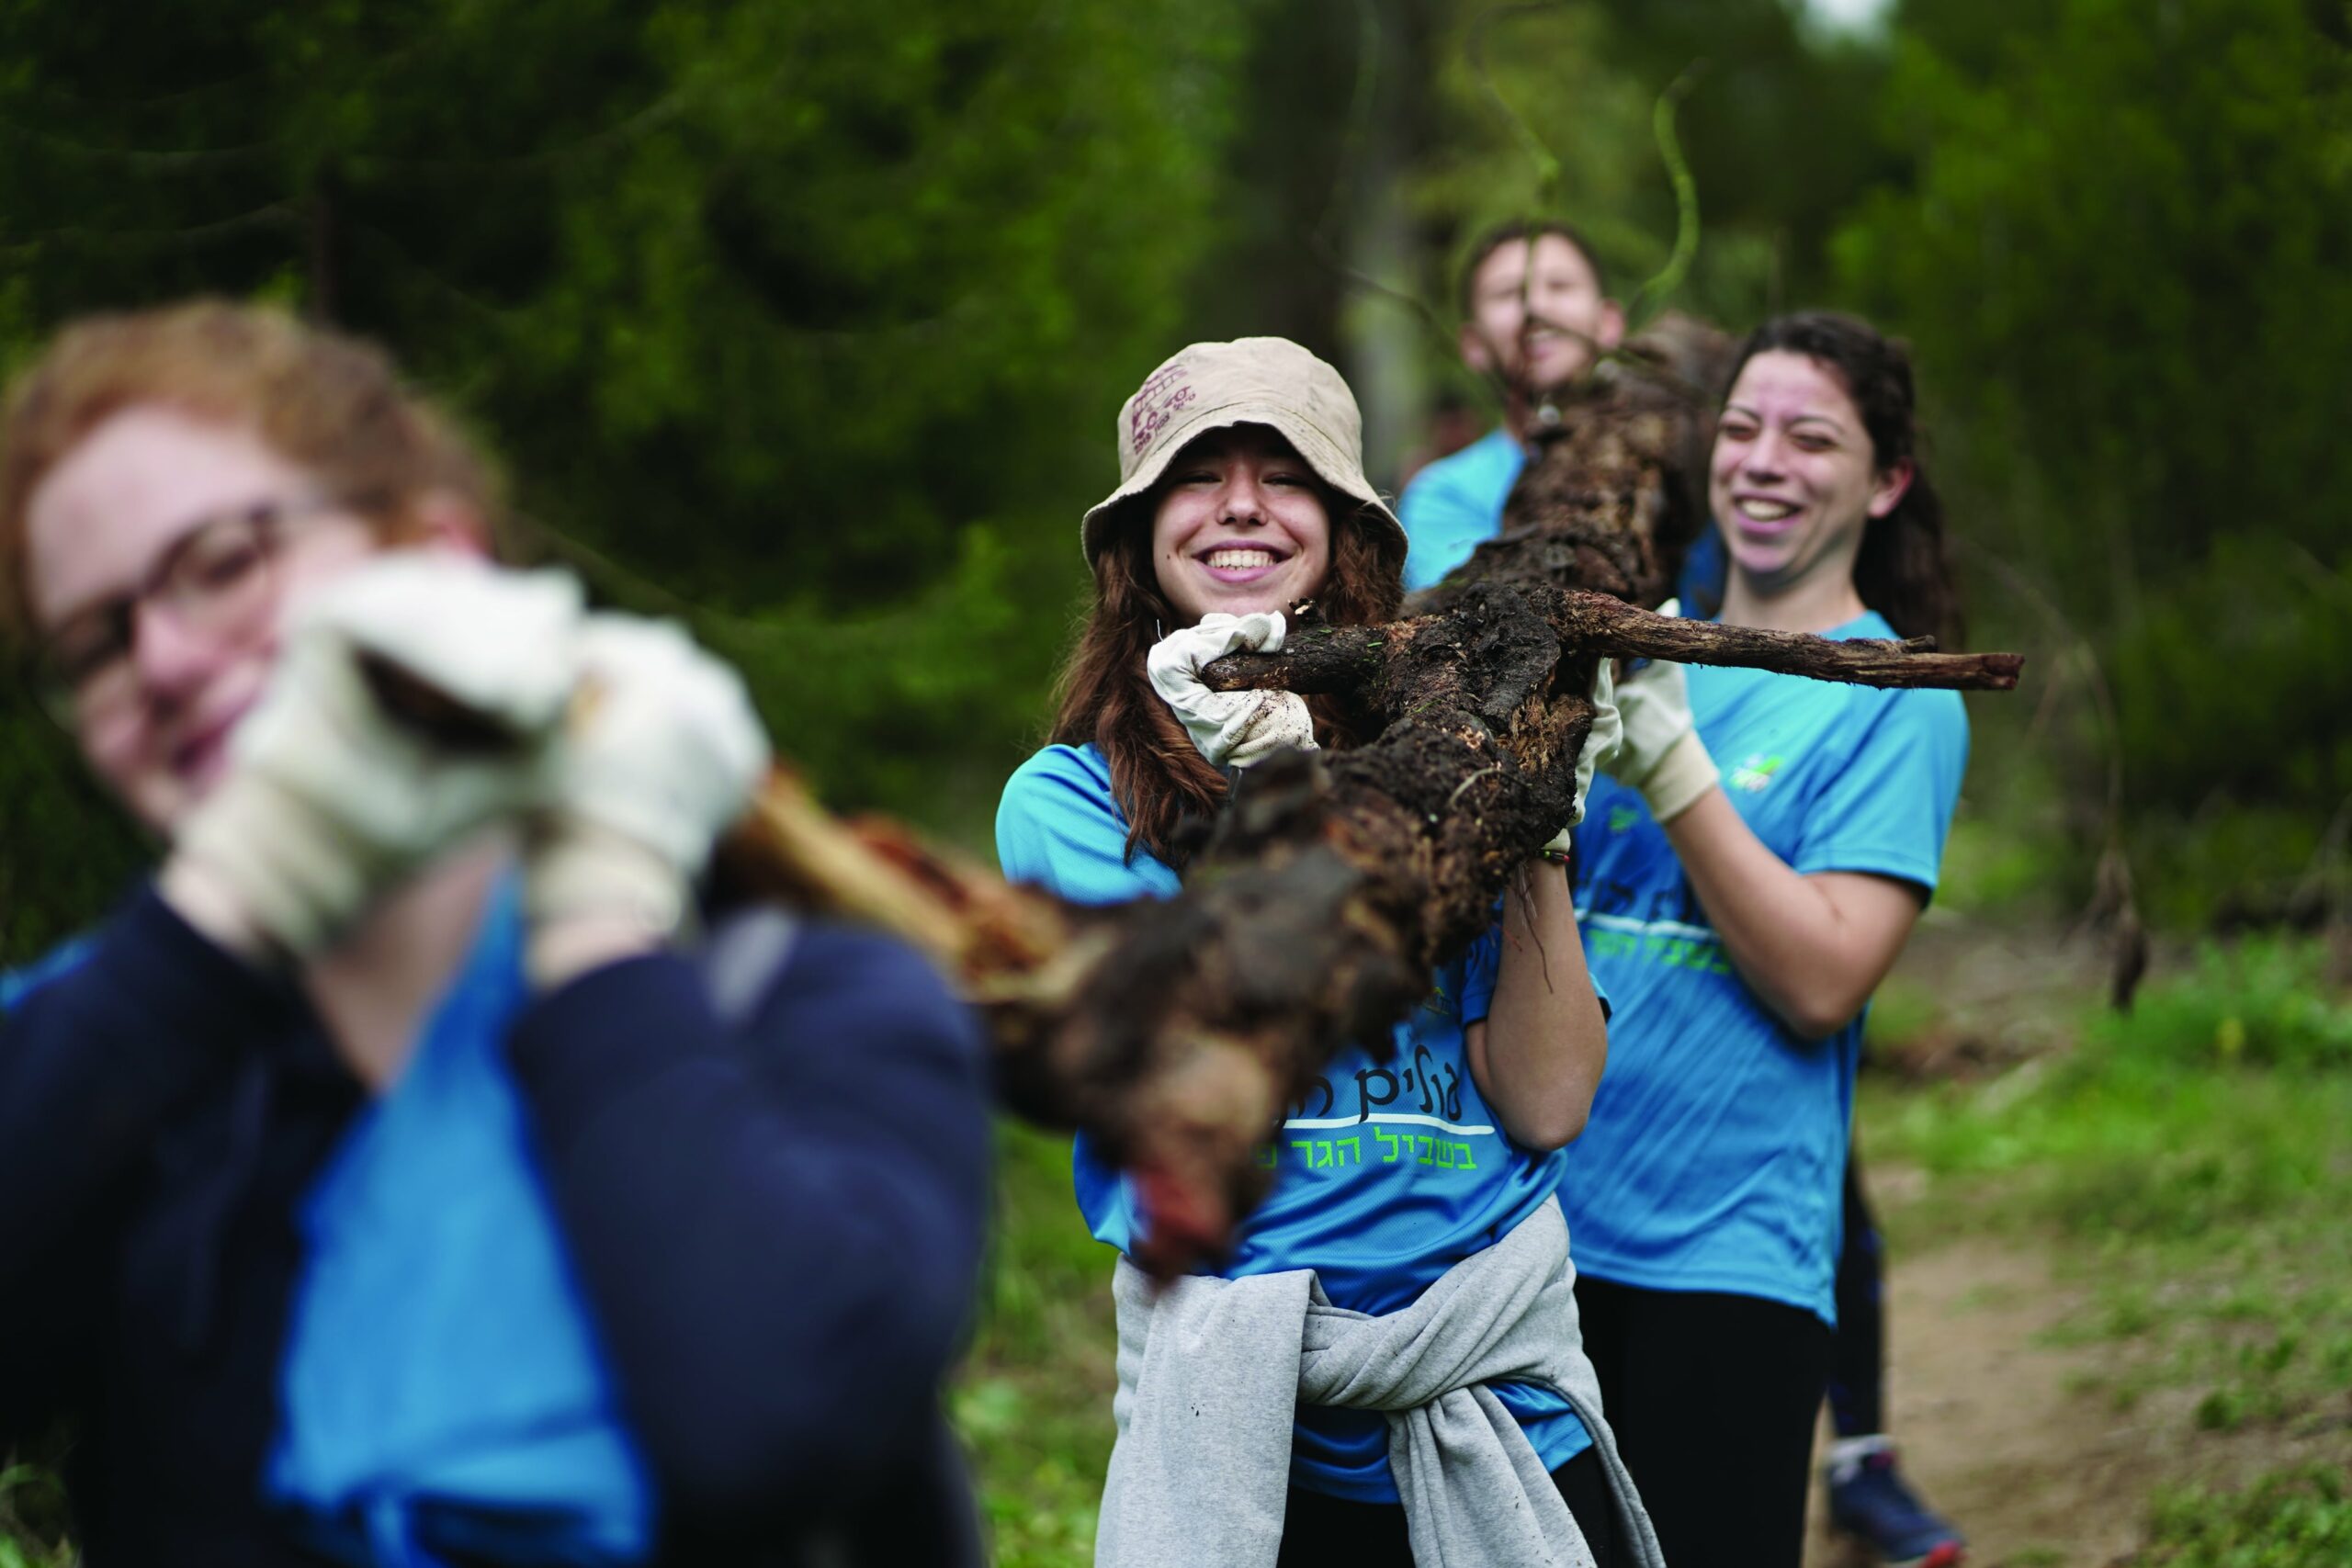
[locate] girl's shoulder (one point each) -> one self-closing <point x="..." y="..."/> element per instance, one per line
<point x="1060" y="767"/>
<point x="1057" y="789"/>
<point x="1059" y="825"/>
<point x="1910" y="715"/>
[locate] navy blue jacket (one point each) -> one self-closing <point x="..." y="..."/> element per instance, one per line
<point x="779" y="1228"/>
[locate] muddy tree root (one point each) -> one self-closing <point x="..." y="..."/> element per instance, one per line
<point x="1315" y="906"/>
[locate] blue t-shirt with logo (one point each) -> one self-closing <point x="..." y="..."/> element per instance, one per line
<point x="1385" y="1177"/>
<point x="1714" y="1153"/>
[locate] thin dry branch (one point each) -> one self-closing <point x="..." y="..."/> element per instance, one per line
<point x="1358" y="659"/>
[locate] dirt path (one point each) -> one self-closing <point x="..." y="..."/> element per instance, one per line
<point x="2019" y="1440"/>
<point x="1995" y="1426"/>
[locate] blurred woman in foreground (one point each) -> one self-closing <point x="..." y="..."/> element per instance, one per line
<point x="380" y="1182"/>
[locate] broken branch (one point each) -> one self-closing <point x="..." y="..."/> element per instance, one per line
<point x="1351" y="658"/>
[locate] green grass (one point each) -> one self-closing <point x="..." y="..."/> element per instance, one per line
<point x="2193" y="1162"/>
<point x="1034" y="1401"/>
<point x="2292" y="1518"/>
<point x="32" y="1518"/>
<point x="2226" y="1097"/>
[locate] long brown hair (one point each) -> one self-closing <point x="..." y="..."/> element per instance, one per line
<point x="1158" y="778"/>
<point x="1904" y="570"/>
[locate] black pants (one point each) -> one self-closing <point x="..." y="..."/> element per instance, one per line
<point x="1858" y="1371"/>
<point x="1712" y="1398"/>
<point x="1320" y="1530"/>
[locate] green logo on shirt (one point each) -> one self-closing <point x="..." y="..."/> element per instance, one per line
<point x="1756" y="771"/>
<point x="1621" y="818"/>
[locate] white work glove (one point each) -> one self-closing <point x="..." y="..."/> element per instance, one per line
<point x="1231" y="728"/>
<point x="1600" y="743"/>
<point x="1661" y="754"/>
<point x="331" y="798"/>
<point x="663" y="751"/>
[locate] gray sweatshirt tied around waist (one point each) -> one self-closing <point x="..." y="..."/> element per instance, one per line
<point x="1210" y="1369"/>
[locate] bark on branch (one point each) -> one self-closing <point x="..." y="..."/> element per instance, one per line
<point x="1359" y="659"/>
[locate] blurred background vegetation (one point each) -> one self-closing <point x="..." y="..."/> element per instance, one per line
<point x="809" y="319"/>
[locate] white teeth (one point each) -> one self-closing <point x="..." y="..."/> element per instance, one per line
<point x="1240" y="560"/>
<point x="1765" y="511"/>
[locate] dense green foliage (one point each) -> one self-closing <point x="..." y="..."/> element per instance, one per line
<point x="808" y="320"/>
<point x="2121" y="250"/>
<point x="815" y="317"/>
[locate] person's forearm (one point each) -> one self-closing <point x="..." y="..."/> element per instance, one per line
<point x="1545" y="1037"/>
<point x="1812" y="962"/>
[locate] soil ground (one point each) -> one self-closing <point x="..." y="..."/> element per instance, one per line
<point x="2011" y="1433"/>
<point x="1996" y="1425"/>
<point x="1995" y="1428"/>
<point x="2005" y="1412"/>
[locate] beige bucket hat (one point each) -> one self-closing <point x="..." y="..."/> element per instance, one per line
<point x="1251" y="380"/>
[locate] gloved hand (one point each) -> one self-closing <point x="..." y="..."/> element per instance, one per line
<point x="663" y="751"/>
<point x="1600" y="743"/>
<point x="1231" y="728"/>
<point x="1661" y="754"/>
<point x="413" y="702"/>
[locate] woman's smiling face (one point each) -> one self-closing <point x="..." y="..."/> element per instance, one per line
<point x="129" y="496"/>
<point x="1239" y="524"/>
<point x="1794" y="480"/>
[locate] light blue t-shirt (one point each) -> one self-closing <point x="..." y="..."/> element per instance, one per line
<point x="482" y="1421"/>
<point x="1455" y="505"/>
<point x="1713" y="1155"/>
<point x="1385" y="1178"/>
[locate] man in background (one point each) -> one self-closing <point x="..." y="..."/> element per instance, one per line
<point x="1536" y="316"/>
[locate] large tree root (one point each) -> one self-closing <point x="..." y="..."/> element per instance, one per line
<point x="1176" y="1032"/>
<point x="1316" y="906"/>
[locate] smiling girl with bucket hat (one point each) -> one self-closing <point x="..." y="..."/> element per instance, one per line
<point x="1387" y="1368"/>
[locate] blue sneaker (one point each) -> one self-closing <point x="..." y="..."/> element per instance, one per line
<point x="1869" y="1500"/>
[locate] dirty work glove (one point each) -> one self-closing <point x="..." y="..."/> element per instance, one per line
<point x="1232" y="729"/>
<point x="1600" y="744"/>
<point x="1661" y="754"/>
<point x="663" y="751"/>
<point x="332" y="797"/>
